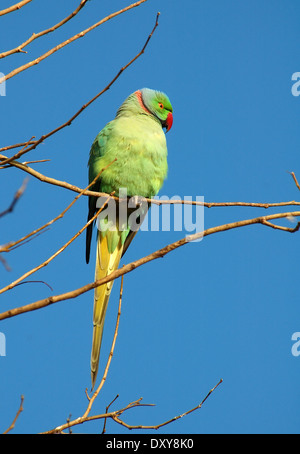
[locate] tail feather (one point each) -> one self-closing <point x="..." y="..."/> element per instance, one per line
<point x="106" y="263"/>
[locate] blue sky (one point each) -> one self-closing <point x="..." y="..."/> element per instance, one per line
<point x="225" y="307"/>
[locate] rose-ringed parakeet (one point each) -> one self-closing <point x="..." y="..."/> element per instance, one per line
<point x="133" y="151"/>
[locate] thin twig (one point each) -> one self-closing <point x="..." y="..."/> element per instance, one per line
<point x="15" y="7"/>
<point x="25" y="163"/>
<point x="36" y="282"/>
<point x="61" y="249"/>
<point x="115" y="415"/>
<point x="12" y="245"/>
<point x="72" y="187"/>
<point x="82" y="420"/>
<point x="16" y="417"/>
<point x="4" y="263"/>
<point x="68" y="422"/>
<point x="279" y="227"/>
<point x="53" y="256"/>
<point x="106" y="411"/>
<point x="295" y="180"/>
<point x="87" y="394"/>
<point x="20" y="152"/>
<point x="68" y="123"/>
<point x="68" y="41"/>
<point x="17" y="196"/>
<point x="158" y="426"/>
<point x="17" y="145"/>
<point x="35" y="36"/>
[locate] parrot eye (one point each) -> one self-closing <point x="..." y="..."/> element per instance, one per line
<point x="161" y="105"/>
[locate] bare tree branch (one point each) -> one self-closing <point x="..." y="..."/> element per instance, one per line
<point x="12" y="245"/>
<point x="15" y="7"/>
<point x="4" y="263"/>
<point x="68" y="41"/>
<point x="117" y="419"/>
<point x="106" y="410"/>
<point x="17" y="195"/>
<point x="115" y="415"/>
<point x="20" y="153"/>
<point x="133" y="265"/>
<point x="35" y="36"/>
<point x="279" y="227"/>
<point x="30" y="145"/>
<point x="295" y="180"/>
<point x="53" y="256"/>
<point x="61" y="249"/>
<point x="68" y="123"/>
<point x="16" y="417"/>
<point x="8" y="247"/>
<point x="72" y="187"/>
<point x="25" y="163"/>
<point x="17" y="145"/>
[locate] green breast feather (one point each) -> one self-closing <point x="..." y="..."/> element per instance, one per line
<point x="139" y="145"/>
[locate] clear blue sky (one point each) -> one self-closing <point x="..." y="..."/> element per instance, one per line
<point x="225" y="307"/>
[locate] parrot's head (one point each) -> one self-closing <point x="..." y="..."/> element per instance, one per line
<point x="158" y="104"/>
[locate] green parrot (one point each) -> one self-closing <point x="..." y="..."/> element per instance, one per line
<point x="133" y="151"/>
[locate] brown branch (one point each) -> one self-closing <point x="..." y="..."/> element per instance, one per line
<point x="68" y="123"/>
<point x="53" y="256"/>
<point x="61" y="249"/>
<point x="16" y="417"/>
<point x="8" y="247"/>
<point x="42" y="177"/>
<point x="295" y="179"/>
<point x="82" y="420"/>
<point x="20" y="153"/>
<point x="35" y="36"/>
<point x="115" y="415"/>
<point x="12" y="245"/>
<point x="4" y="263"/>
<point x="279" y="227"/>
<point x="72" y="187"/>
<point x="17" y="145"/>
<point x="117" y="419"/>
<point x="68" y="41"/>
<point x="106" y="411"/>
<point x="25" y="163"/>
<point x="15" y="7"/>
<point x="17" y="195"/>
<point x="133" y="265"/>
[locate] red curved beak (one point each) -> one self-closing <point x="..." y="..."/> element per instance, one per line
<point x="169" y="121"/>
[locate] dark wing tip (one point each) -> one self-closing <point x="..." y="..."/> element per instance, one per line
<point x="89" y="232"/>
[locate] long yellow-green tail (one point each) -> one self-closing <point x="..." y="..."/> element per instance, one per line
<point x="106" y="263"/>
